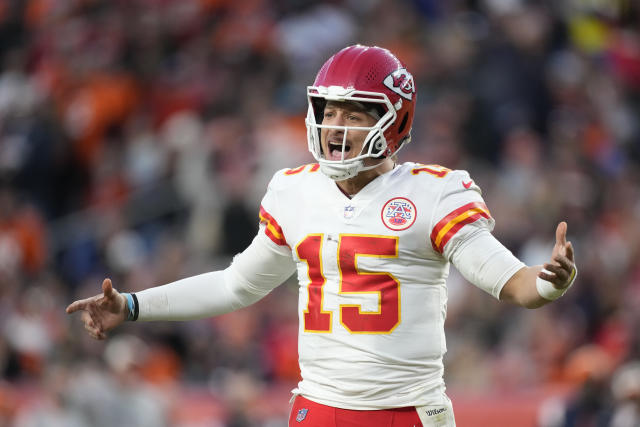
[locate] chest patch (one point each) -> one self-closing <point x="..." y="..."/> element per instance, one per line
<point x="398" y="214"/>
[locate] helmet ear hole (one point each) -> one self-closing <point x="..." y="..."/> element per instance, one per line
<point x="318" y="108"/>
<point x="405" y="118"/>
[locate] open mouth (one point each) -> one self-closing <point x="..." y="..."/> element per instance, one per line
<point x="335" y="150"/>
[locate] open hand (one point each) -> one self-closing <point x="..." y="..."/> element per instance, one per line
<point x="102" y="312"/>
<point x="561" y="270"/>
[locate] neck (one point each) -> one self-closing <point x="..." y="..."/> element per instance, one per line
<point x="350" y="187"/>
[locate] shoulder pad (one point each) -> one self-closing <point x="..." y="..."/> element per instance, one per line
<point x="291" y="176"/>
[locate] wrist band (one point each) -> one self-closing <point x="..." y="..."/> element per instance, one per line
<point x="549" y="292"/>
<point x="132" y="306"/>
<point x="136" y="309"/>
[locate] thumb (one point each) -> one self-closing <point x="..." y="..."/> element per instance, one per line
<point x="561" y="234"/>
<point x="107" y="288"/>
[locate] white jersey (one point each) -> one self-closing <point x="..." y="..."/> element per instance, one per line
<point x="372" y="272"/>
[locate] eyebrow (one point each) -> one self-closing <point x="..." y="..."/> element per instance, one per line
<point x="356" y="107"/>
<point x="348" y="105"/>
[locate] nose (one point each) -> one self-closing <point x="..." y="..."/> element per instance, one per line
<point x="339" y="119"/>
<point x="335" y="133"/>
<point x="336" y="120"/>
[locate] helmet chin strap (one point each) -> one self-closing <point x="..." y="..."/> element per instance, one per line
<point x="340" y="172"/>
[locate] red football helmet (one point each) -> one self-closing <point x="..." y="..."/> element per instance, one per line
<point x="372" y="76"/>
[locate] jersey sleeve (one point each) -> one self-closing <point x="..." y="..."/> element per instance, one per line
<point x="485" y="262"/>
<point x="250" y="277"/>
<point x="270" y="216"/>
<point x="459" y="214"/>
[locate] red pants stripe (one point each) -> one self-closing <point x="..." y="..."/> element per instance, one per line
<point x="306" y="413"/>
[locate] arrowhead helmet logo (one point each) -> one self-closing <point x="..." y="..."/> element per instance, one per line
<point x="401" y="82"/>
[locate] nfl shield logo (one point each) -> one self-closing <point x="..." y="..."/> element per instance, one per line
<point x="302" y="414"/>
<point x="348" y="211"/>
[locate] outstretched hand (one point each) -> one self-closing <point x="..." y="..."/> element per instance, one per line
<point x="102" y="312"/>
<point x="561" y="269"/>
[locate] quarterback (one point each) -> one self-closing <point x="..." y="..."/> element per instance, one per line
<point x="371" y="242"/>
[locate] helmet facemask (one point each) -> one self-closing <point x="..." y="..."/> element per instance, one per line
<point x="375" y="144"/>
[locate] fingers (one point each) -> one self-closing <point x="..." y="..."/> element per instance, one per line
<point x="91" y="327"/>
<point x="555" y="275"/>
<point x="92" y="313"/>
<point x="560" y="270"/>
<point x="561" y="234"/>
<point x="107" y="291"/>
<point x="549" y="277"/>
<point x="564" y="262"/>
<point x="77" y="305"/>
<point x="560" y="274"/>
<point x="88" y="322"/>
<point x="569" y="247"/>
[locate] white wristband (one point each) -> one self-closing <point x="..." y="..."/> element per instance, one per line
<point x="549" y="292"/>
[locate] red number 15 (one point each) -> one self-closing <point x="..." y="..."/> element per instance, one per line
<point x="352" y="281"/>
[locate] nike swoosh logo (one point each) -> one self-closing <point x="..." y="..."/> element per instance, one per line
<point x="467" y="184"/>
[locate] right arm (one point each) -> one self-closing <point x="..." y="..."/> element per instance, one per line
<point x="251" y="276"/>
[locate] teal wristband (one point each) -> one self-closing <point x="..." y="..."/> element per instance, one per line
<point x="131" y="307"/>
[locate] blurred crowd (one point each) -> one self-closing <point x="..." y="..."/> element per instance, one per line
<point x="137" y="138"/>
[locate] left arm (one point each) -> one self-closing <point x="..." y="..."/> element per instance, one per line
<point x="485" y="262"/>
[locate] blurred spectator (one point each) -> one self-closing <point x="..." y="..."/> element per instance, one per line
<point x="22" y="236"/>
<point x="626" y="391"/>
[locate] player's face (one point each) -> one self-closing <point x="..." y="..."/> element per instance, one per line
<point x="344" y="114"/>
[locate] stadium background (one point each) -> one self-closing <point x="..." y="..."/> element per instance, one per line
<point x="137" y="138"/>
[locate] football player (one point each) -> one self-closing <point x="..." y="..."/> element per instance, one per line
<point x="371" y="242"/>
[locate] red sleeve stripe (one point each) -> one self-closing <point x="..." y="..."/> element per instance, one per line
<point x="450" y="224"/>
<point x="272" y="229"/>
